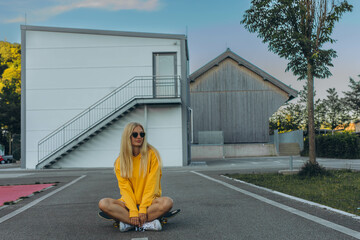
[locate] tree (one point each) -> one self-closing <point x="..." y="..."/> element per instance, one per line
<point x="294" y="116"/>
<point x="352" y="98"/>
<point x="319" y="117"/>
<point x="335" y="112"/>
<point x="9" y="112"/>
<point x="10" y="64"/>
<point x="287" y="118"/>
<point x="297" y="31"/>
<point x="10" y="90"/>
<point x="319" y="114"/>
<point x="303" y="103"/>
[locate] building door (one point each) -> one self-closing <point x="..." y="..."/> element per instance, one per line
<point x="164" y="72"/>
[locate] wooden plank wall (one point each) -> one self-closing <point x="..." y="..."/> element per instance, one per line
<point x="235" y="100"/>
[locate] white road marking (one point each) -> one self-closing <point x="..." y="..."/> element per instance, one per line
<point x="33" y="203"/>
<point x="140" y="238"/>
<point x="310" y="217"/>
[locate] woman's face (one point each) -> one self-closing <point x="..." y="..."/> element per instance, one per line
<point x="138" y="140"/>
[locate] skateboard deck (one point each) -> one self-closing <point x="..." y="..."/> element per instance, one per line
<point x="107" y="217"/>
<point x="163" y="219"/>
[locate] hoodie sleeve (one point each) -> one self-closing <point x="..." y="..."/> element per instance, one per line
<point x="152" y="187"/>
<point x="126" y="191"/>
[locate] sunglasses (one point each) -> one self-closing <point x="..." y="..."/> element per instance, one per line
<point x="135" y="134"/>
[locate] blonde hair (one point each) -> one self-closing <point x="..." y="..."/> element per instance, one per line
<point x="126" y="154"/>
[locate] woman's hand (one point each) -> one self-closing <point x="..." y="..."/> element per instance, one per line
<point x="135" y="221"/>
<point x="143" y="218"/>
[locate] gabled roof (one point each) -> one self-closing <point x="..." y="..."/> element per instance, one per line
<point x="242" y="62"/>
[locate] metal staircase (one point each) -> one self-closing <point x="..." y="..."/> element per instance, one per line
<point x="137" y="91"/>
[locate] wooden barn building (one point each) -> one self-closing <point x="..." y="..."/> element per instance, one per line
<point x="234" y="97"/>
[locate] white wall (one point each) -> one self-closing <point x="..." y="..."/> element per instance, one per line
<point x="68" y="72"/>
<point x="163" y="132"/>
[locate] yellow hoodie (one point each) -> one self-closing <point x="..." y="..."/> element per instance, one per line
<point x="140" y="190"/>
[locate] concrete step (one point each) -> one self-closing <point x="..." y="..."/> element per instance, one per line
<point x="289" y="149"/>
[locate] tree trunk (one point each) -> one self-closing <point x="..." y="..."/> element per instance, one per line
<point x="311" y="122"/>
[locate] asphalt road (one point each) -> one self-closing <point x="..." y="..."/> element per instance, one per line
<point x="212" y="207"/>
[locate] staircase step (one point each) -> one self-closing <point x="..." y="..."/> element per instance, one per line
<point x="103" y="127"/>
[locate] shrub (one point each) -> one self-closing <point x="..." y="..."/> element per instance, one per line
<point x="312" y="170"/>
<point x="338" y="145"/>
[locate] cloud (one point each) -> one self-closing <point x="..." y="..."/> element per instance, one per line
<point x="108" y="5"/>
<point x="16" y="20"/>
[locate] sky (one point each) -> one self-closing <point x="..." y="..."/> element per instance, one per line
<point x="211" y="27"/>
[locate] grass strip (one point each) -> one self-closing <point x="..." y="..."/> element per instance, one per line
<point x="340" y="189"/>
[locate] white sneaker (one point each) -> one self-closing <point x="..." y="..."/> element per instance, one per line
<point x="124" y="227"/>
<point x="152" y="226"/>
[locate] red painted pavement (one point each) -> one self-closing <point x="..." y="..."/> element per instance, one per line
<point x="12" y="193"/>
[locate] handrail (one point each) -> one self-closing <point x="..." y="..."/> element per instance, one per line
<point x="138" y="87"/>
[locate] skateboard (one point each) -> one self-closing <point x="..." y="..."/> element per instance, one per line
<point x="163" y="219"/>
<point x="107" y="217"/>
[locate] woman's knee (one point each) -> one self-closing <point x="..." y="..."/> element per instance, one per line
<point x="167" y="203"/>
<point x="104" y="203"/>
<point x="170" y="203"/>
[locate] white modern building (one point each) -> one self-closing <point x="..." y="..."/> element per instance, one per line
<point x="81" y="87"/>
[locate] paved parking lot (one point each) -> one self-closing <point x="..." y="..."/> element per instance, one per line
<point x="213" y="207"/>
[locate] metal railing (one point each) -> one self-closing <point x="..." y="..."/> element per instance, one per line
<point x="146" y="87"/>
